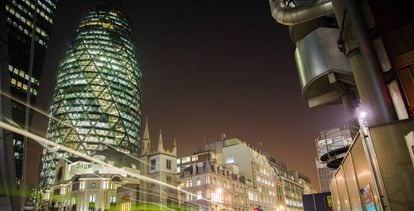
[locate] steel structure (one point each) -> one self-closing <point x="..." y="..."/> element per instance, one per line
<point x="97" y="98"/>
<point x="377" y="170"/>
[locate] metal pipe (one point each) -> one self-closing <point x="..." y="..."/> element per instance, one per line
<point x="378" y="99"/>
<point x="300" y="14"/>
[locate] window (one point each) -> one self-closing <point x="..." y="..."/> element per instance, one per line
<point x="208" y="194"/>
<point x="185" y="159"/>
<point x="169" y="180"/>
<point x="208" y="180"/>
<point x="153" y="162"/>
<point x="198" y="182"/>
<point x="82" y="185"/>
<point x="112" y="200"/>
<point x="199" y="194"/>
<point x="189" y="183"/>
<point x="168" y="164"/>
<point x="92" y="198"/>
<point x="229" y="160"/>
<point x="105" y="185"/>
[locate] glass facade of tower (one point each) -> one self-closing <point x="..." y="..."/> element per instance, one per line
<point x="25" y="18"/>
<point x="97" y="98"/>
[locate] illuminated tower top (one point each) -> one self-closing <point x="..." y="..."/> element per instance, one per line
<point x="97" y="97"/>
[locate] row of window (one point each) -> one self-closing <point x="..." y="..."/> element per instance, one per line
<point x="26" y="32"/>
<point x="118" y="125"/>
<point x="117" y="82"/>
<point x="112" y="17"/>
<point x="40" y="12"/>
<point x="93" y="185"/>
<point x="168" y="164"/>
<point x="92" y="199"/>
<point x="187" y="159"/>
<point x="213" y="180"/>
<point x="23" y="74"/>
<point x="265" y="181"/>
<point x="27" y="21"/>
<point x="22" y="86"/>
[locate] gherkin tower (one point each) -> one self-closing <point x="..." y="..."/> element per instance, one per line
<point x="97" y="98"/>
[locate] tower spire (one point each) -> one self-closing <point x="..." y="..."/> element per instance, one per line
<point x="146" y="141"/>
<point x="160" y="143"/>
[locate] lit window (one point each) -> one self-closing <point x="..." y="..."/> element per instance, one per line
<point x="229" y="160"/>
<point x="189" y="183"/>
<point x="199" y="194"/>
<point x="105" y="185"/>
<point x="13" y="81"/>
<point x="82" y="185"/>
<point x="62" y="191"/>
<point x="112" y="200"/>
<point x="92" y="198"/>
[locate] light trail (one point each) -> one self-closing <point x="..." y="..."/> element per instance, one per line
<point x="60" y="121"/>
<point x="43" y="141"/>
<point x="47" y="143"/>
<point x="154" y="192"/>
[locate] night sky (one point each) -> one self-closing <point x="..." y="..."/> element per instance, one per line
<point x="212" y="67"/>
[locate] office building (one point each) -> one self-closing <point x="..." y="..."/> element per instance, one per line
<point x="28" y="26"/>
<point x="25" y="29"/>
<point x="96" y="102"/>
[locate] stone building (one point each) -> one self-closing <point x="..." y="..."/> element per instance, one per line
<point x="161" y="165"/>
<point x="83" y="185"/>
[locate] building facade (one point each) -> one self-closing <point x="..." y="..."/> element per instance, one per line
<point x="161" y="165"/>
<point x="213" y="187"/>
<point x="291" y="185"/>
<point x="234" y="175"/>
<point x="83" y="185"/>
<point x="28" y="25"/>
<point x="96" y="103"/>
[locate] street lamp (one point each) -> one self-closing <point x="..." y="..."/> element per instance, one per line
<point x="362" y="120"/>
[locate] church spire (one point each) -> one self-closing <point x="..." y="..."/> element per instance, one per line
<point x="160" y="143"/>
<point x="146" y="142"/>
